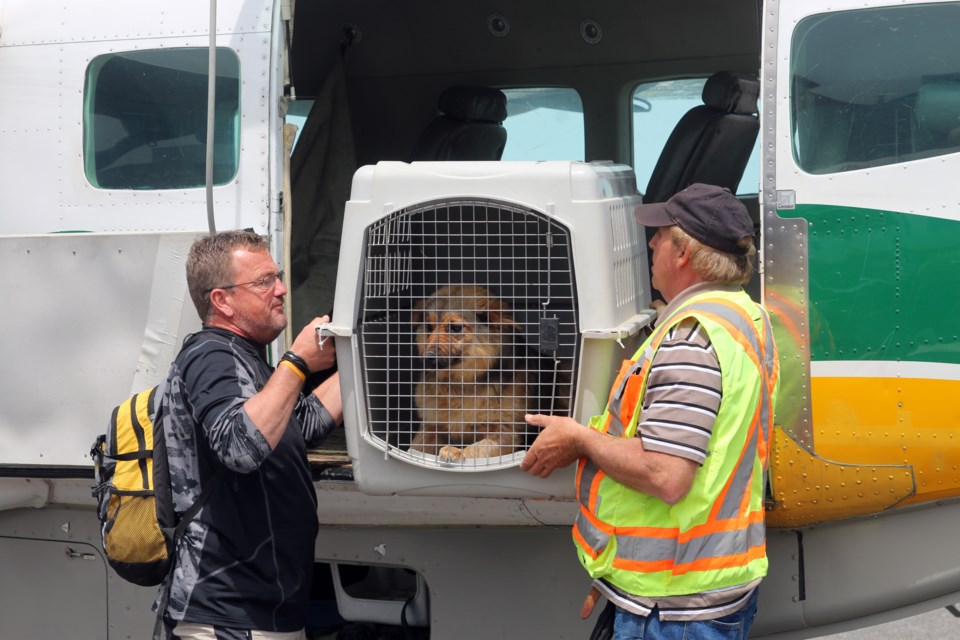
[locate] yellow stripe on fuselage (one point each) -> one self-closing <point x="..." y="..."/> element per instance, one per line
<point x="892" y="421"/>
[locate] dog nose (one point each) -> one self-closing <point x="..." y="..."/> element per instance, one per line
<point x="430" y="360"/>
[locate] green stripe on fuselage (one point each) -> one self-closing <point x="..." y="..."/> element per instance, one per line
<point x="883" y="285"/>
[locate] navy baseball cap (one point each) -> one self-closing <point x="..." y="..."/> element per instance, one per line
<point x="706" y="212"/>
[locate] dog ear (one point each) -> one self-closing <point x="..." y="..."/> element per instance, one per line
<point x="505" y="322"/>
<point x="497" y="315"/>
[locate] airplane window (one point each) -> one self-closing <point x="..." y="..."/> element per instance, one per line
<point x="657" y="107"/>
<point x="544" y="123"/>
<point x="875" y="87"/>
<point x="145" y="119"/>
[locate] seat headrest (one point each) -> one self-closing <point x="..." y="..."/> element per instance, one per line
<point x="732" y="92"/>
<point x="938" y="107"/>
<point x="475" y="104"/>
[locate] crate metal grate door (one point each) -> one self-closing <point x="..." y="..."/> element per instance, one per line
<point x="468" y="320"/>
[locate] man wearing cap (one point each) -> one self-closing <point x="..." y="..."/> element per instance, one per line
<point x="671" y="476"/>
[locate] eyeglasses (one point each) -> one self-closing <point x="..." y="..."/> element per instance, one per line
<point x="263" y="284"/>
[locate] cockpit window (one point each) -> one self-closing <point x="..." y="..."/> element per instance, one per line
<point x="875" y="87"/>
<point x="145" y="119"/>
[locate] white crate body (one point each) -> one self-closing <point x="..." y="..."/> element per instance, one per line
<point x="542" y="276"/>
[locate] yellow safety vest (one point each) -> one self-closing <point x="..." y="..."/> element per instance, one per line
<point x="714" y="537"/>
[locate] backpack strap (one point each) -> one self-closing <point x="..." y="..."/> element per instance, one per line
<point x="185" y="521"/>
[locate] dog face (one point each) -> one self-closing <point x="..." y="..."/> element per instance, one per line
<point x="461" y="332"/>
<point x="472" y="395"/>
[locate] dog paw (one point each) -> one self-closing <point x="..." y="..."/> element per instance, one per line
<point x="451" y="454"/>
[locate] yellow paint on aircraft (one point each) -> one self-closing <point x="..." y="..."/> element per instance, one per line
<point x="808" y="489"/>
<point x="877" y="443"/>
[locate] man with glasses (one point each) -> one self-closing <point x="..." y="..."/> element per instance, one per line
<point x="241" y="428"/>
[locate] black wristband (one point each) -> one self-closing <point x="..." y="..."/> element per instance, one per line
<point x="296" y="361"/>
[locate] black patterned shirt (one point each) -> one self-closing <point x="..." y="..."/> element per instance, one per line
<point x="246" y="560"/>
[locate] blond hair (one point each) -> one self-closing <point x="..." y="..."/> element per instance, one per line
<point x="210" y="264"/>
<point x="713" y="265"/>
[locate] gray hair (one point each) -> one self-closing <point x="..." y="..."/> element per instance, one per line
<point x="714" y="265"/>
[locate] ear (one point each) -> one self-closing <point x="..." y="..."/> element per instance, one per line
<point x="497" y="315"/>
<point x="683" y="253"/>
<point x="502" y="321"/>
<point x="220" y="301"/>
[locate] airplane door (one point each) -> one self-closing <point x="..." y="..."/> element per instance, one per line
<point x="860" y="105"/>
<point x="860" y="209"/>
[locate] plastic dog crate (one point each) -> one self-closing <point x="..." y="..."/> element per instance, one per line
<point x="469" y="294"/>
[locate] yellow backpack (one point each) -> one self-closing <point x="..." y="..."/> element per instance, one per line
<point x="139" y="528"/>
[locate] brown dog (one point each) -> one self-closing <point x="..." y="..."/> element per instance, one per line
<point x="472" y="395"/>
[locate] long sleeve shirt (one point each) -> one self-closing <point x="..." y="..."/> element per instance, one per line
<point x="246" y="560"/>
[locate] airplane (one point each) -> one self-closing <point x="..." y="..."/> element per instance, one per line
<point x="116" y="153"/>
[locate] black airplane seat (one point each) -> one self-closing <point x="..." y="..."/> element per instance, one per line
<point x="470" y="126"/>
<point x="938" y="116"/>
<point x="712" y="142"/>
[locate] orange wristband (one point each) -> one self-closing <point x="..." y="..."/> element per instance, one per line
<point x="295" y="369"/>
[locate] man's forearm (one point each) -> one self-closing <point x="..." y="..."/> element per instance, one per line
<point x="625" y="460"/>
<point x="271" y="408"/>
<point x="328" y="392"/>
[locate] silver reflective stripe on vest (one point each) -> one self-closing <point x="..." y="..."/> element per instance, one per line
<point x="593" y="536"/>
<point x="724" y="543"/>
<point x="649" y="549"/>
<point x="583" y="486"/>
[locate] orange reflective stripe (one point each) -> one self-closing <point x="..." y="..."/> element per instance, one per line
<point x="722" y="562"/>
<point x="731" y="329"/>
<point x="643" y="566"/>
<point x="624" y="368"/>
<point x="738" y="337"/>
<point x="719" y="526"/>
<point x="631" y="397"/>
<point x="649" y="532"/>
